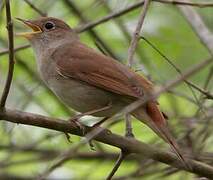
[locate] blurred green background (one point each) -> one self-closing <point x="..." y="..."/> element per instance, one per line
<point x="26" y="151"/>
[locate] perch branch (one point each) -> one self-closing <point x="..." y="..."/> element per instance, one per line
<point x="105" y="136"/>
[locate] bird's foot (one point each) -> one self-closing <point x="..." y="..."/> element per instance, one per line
<point x="75" y="119"/>
<point x="129" y="134"/>
<point x="68" y="137"/>
<point x="96" y="125"/>
<point x="91" y="145"/>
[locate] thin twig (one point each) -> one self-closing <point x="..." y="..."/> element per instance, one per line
<point x="3" y="52"/>
<point x="186" y="3"/>
<point x="207" y="81"/>
<point x="196" y="22"/>
<point x="35" y="8"/>
<point x="202" y="91"/>
<point x="207" y="94"/>
<point x="119" y="13"/>
<point x="11" y="56"/>
<point x="121" y="157"/>
<point x="136" y="35"/>
<point x="112" y="15"/>
<point x="67" y="155"/>
<point x="71" y="5"/>
<point x="182" y="95"/>
<point x="53" y="153"/>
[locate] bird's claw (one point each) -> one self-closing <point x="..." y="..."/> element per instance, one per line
<point x="68" y="137"/>
<point x="92" y="147"/>
<point x="75" y="119"/>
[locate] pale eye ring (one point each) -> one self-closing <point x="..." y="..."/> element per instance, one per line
<point x="49" y="25"/>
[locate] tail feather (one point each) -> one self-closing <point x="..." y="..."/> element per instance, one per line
<point x="153" y="117"/>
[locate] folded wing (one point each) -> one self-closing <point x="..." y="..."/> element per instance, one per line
<point x="85" y="64"/>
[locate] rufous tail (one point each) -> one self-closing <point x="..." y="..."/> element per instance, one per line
<point x="153" y="117"/>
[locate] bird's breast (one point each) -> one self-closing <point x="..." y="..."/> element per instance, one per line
<point x="83" y="98"/>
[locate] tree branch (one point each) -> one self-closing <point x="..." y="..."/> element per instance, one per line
<point x="198" y="26"/>
<point x="105" y="136"/>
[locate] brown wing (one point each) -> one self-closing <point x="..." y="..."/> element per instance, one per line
<point x="85" y="64"/>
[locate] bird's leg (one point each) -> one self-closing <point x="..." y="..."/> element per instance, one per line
<point x="95" y="126"/>
<point x="128" y="127"/>
<point x="77" y="117"/>
<point x="68" y="137"/>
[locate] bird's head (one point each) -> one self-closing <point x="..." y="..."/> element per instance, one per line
<point x="47" y="30"/>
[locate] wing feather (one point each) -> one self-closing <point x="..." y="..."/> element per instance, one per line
<point x="85" y="64"/>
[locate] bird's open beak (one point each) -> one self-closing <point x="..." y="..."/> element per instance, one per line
<point x="36" y="29"/>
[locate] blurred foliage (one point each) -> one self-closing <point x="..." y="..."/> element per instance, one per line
<point x="164" y="27"/>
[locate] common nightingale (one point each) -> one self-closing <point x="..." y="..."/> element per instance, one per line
<point x="88" y="81"/>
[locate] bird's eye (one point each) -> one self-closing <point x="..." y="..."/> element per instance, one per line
<point x="49" y="25"/>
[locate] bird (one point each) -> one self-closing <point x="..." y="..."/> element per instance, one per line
<point x="90" y="82"/>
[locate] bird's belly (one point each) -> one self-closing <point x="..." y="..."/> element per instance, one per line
<point x="83" y="97"/>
